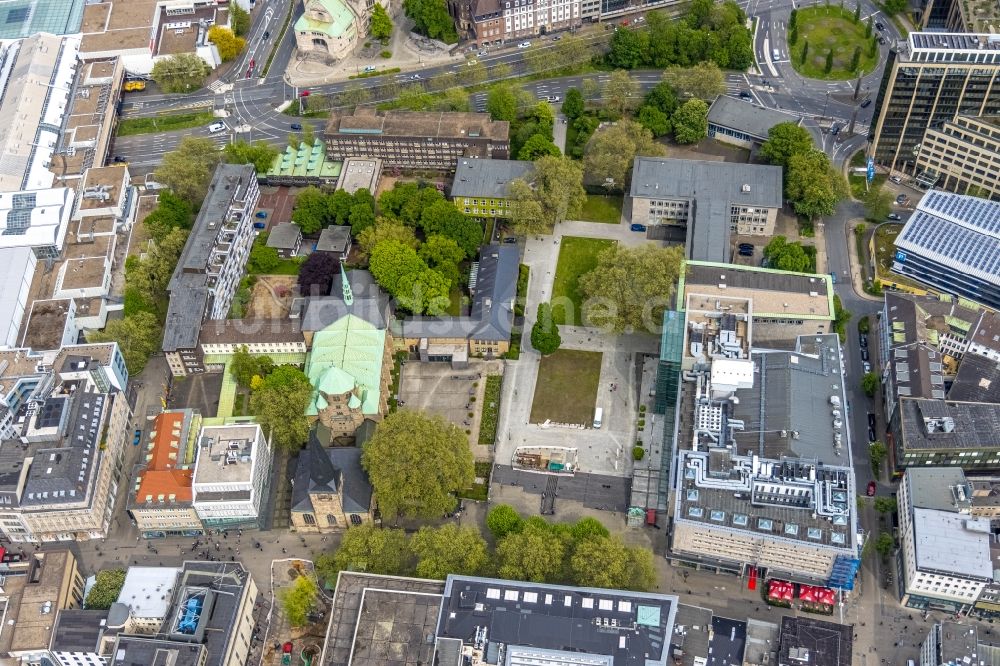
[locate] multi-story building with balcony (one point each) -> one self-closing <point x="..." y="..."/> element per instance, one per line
<point x="231" y="475"/>
<point x="929" y="79"/>
<point x="211" y="265"/>
<point x="417" y="139"/>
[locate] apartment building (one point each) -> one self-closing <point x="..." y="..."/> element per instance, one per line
<point x="749" y="487"/>
<point x="951" y="243"/>
<point x="211" y="265"/>
<point x="481" y="187"/>
<point x="231" y="475"/>
<point x="744" y="199"/>
<point x="962" y="156"/>
<point x="161" y="501"/>
<point x="945" y="551"/>
<point x="930" y="79"/>
<point x="494" y="22"/>
<point x="417" y="139"/>
<point x="783" y="305"/>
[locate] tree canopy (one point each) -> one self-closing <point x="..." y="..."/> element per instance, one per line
<point x="259" y="153"/>
<point x="502" y="520"/>
<point x="416" y="462"/>
<point x="107" y="586"/>
<point x="369" y="549"/>
<point x="630" y="288"/>
<point x="171" y="212"/>
<point x="612" y="151"/>
<point x="783" y="141"/>
<point x="621" y="92"/>
<point x="690" y="121"/>
<point x="431" y="18"/>
<point x="604" y="561"/>
<point x="786" y="256"/>
<point x="401" y="272"/>
<point x="244" y="366"/>
<point x="558" y="188"/>
<point x="385" y="229"/>
<point x="813" y="185"/>
<point x="189" y="168"/>
<point x="298" y="600"/>
<point x="704" y="80"/>
<point x="316" y="274"/>
<point x="501" y="102"/>
<point x="279" y="404"/>
<point x="228" y="44"/>
<point x="544" y="333"/>
<point x="239" y="19"/>
<point x="535" y="554"/>
<point x="138" y="335"/>
<point x="878" y="203"/>
<point x="449" y="549"/>
<point x="381" y="25"/>
<point x="572" y="106"/>
<point x="180" y="73"/>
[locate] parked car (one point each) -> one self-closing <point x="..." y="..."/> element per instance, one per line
<point x="865" y="104"/>
<point x="137" y="437"/>
<point x="864" y="353"/>
<point x="863" y="340"/>
<point x="296" y="126"/>
<point x="637" y="227"/>
<point x="835" y="129"/>
<point x="368" y="69"/>
<point x="415" y="77"/>
<point x="260" y="225"/>
<point x="483" y="53"/>
<point x="896" y="179"/>
<point x="120" y="160"/>
<point x="872" y="487"/>
<point x="510" y="239"/>
<point x="746" y="246"/>
<point x="867" y="366"/>
<point x="745" y="250"/>
<point x="262" y="214"/>
<point x="556" y="38"/>
<point x="524" y="45"/>
<point x="217" y="127"/>
<point x="871" y="420"/>
<point x="881" y="40"/>
<point x="833" y="278"/>
<point x="894" y="216"/>
<point x="901" y="199"/>
<point x="553" y="98"/>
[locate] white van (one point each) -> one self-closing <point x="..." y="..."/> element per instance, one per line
<point x="215" y="128"/>
<point x="598" y="417"/>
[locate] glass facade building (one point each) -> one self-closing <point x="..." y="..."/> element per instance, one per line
<point x="935" y="78"/>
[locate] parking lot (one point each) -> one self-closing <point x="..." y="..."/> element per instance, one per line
<point x="277" y="202"/>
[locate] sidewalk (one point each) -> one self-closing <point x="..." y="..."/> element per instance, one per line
<point x="857" y="270"/>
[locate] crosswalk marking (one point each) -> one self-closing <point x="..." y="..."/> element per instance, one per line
<point x="217" y="85"/>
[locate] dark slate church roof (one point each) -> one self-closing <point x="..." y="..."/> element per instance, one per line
<point x="328" y="470"/>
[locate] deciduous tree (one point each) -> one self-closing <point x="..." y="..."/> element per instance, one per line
<point x="384" y="229"/>
<point x="137" y="335"/>
<point x="630" y="288"/>
<point x="786" y="256"/>
<point x="690" y="121"/>
<point x="536" y="147"/>
<point x="188" y="170"/>
<point x="369" y="549"/>
<point x="526" y="215"/>
<point x="228" y="44"/>
<point x="559" y="188"/>
<point x="280" y="405"/>
<point x="612" y="151"/>
<point x="544" y="333"/>
<point x="316" y="274"/>
<point x="312" y="211"/>
<point x="431" y="18"/>
<point x="443" y="255"/>
<point x="260" y="154"/>
<point x="702" y="81"/>
<point x="416" y="462"/>
<point x="534" y="554"/>
<point x="885" y="504"/>
<point x="171" y="212"/>
<point x="298" y="600"/>
<point x="442" y="217"/>
<point x="878" y="203"/>
<point x="783" y="141"/>
<point x="501" y="102"/>
<point x="869" y="383"/>
<point x="180" y="73"/>
<point x="381" y="26"/>
<point x="502" y="520"/>
<point x="620" y="92"/>
<point x="603" y="561"/>
<point x="449" y="549"/>
<point x="239" y="20"/>
<point x="572" y="106"/>
<point x="812" y="185"/>
<point x="107" y="586"/>
<point x="656" y="121"/>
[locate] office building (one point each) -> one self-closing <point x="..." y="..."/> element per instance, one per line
<point x="929" y="79"/>
<point x="762" y="481"/>
<point x="281" y="339"/>
<point x="481" y="187"/>
<point x="942" y="432"/>
<point x="952" y="244"/>
<point x="359" y="173"/>
<point x="211" y="265"/>
<point x="743" y="124"/>
<point x="35" y="591"/>
<point x="962" y="155"/>
<point x="161" y="500"/>
<point x="950" y="643"/>
<point x="945" y="551"/>
<point x="486" y="330"/>
<point x="784" y="305"/>
<point x="147" y="594"/>
<point x="231" y="476"/>
<point x="417" y="139"/>
<point x="805" y="640"/>
<point x="741" y="199"/>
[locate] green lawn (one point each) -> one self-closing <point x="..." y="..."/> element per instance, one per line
<point x="831" y="27"/>
<point x="287" y="267"/>
<point x="455" y="302"/>
<point x="164" y="123"/>
<point x="491" y="410"/>
<point x="602" y="208"/>
<point x="566" y="390"/>
<point x="479" y="489"/>
<point x="576" y="257"/>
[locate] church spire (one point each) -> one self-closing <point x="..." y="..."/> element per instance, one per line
<point x="348" y="294"/>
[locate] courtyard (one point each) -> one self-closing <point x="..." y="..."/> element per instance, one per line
<point x="825" y="30"/>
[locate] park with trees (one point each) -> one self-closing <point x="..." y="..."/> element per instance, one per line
<point x="529" y="549"/>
